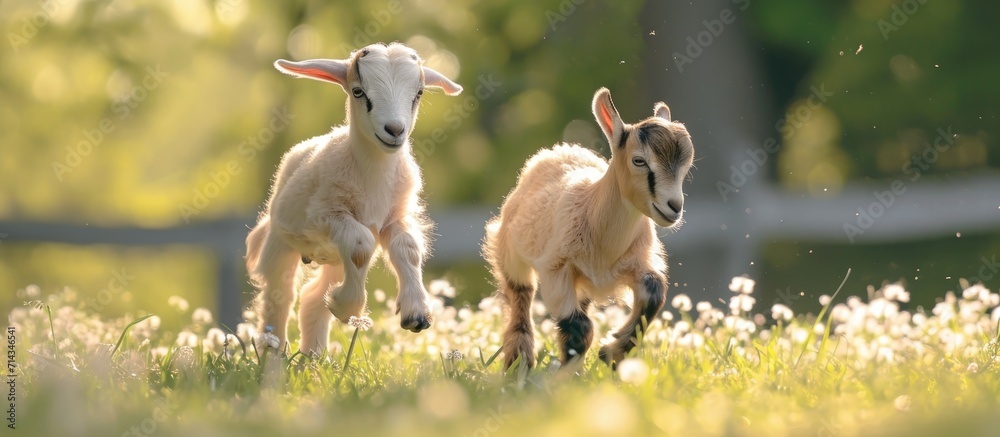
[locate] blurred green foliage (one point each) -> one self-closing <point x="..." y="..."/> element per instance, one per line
<point x="129" y="111"/>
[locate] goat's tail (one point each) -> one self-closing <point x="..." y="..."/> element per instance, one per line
<point x="255" y="245"/>
<point x="491" y="244"/>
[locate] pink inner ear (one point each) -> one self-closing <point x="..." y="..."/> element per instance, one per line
<point x="606" y="116"/>
<point x="312" y="72"/>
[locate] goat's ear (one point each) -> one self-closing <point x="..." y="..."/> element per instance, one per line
<point x="437" y="80"/>
<point x="662" y="110"/>
<point x="607" y="116"/>
<point x="327" y="70"/>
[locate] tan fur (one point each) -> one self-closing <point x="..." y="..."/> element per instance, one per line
<point x="582" y="225"/>
<point x="339" y="198"/>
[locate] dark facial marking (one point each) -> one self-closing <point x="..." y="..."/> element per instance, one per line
<point x="661" y="141"/>
<point x="652" y="183"/>
<point x="621" y="142"/>
<point x="357" y="70"/>
<point x="643" y="135"/>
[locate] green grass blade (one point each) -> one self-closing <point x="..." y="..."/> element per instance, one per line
<point x="121" y="338"/>
<point x="819" y="319"/>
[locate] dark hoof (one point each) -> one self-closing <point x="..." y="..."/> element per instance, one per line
<point x="605" y="355"/>
<point x="416" y="324"/>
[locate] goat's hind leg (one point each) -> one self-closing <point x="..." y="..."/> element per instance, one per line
<point x="274" y="274"/>
<point x="314" y="316"/>
<point x="650" y="292"/>
<point x="519" y="336"/>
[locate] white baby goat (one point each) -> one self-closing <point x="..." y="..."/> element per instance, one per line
<point x="338" y="197"/>
<point x="582" y="228"/>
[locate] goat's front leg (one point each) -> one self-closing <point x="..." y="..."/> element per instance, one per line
<point x="356" y="246"/>
<point x="649" y="290"/>
<point x="406" y="247"/>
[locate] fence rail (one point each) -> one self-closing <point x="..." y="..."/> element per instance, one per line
<point x="926" y="210"/>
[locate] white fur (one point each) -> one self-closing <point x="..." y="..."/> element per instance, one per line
<point x="580" y="227"/>
<point x="339" y="198"/>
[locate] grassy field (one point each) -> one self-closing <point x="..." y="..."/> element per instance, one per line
<point x="862" y="367"/>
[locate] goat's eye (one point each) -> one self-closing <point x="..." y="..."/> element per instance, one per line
<point x="638" y="162"/>
<point x="358" y="93"/>
<point x="420" y="92"/>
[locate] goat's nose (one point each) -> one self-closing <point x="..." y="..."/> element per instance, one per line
<point x="394" y="128"/>
<point x="675" y="205"/>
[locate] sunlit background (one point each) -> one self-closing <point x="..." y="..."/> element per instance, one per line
<point x="139" y="137"/>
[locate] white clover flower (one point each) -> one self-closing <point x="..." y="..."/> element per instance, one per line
<point x="201" y="316"/>
<point x="379" y="295"/>
<point x="269" y="340"/>
<point x="825" y="299"/>
<point x="742" y="284"/>
<point x="840" y="313"/>
<point x="781" y="312"/>
<point x="187" y="339"/>
<point x="682" y="327"/>
<point x="214" y="339"/>
<point x="895" y="292"/>
<point x="454" y="355"/>
<point x="633" y="371"/>
<point x="178" y="303"/>
<point x="703" y="307"/>
<point x="975" y="292"/>
<point x="146" y="328"/>
<point x="741" y="303"/>
<point x="682" y="302"/>
<point x="973" y="367"/>
<point x="362" y="323"/>
<point x="903" y="403"/>
<point x="32" y="291"/>
<point x="994" y="300"/>
<point x="441" y="287"/>
<point x="854" y="302"/>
